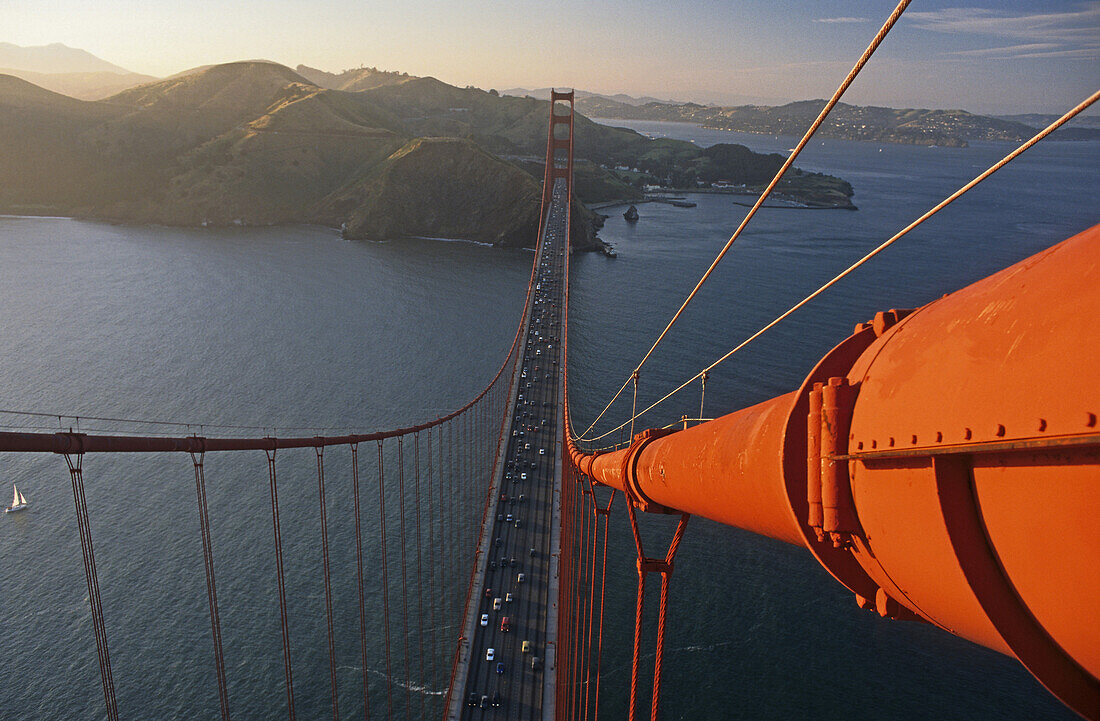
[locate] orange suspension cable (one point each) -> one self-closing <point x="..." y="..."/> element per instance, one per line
<point x="404" y="584"/>
<point x="359" y="578"/>
<point x="385" y="581"/>
<point x="606" y="513"/>
<point x="433" y="570"/>
<point x="287" y="671"/>
<point x="211" y="591"/>
<point x="645" y="567"/>
<point x="83" y="524"/>
<point x="420" y="626"/>
<point x="320" y="450"/>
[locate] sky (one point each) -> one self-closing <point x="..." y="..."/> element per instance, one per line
<point x="993" y="56"/>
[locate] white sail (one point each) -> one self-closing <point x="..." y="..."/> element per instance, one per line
<point x="22" y="500"/>
<point x="15" y="497"/>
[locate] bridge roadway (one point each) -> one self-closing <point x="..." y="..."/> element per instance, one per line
<point x="517" y="577"/>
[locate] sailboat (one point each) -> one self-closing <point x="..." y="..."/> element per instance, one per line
<point x="18" y="502"/>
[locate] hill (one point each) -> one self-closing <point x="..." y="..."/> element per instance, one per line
<point x="84" y="86"/>
<point x="355" y="79"/>
<point x="443" y="187"/>
<point x="258" y="143"/>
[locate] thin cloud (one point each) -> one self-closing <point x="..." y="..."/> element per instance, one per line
<point x="831" y="21"/>
<point x="1069" y="26"/>
<point x="1008" y="51"/>
<point x="1072" y="33"/>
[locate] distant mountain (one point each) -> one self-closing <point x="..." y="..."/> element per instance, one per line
<point x="1083" y="127"/>
<point x="1037" y="120"/>
<point x="258" y="143"/>
<point x="70" y="71"/>
<point x="544" y="94"/>
<point x="849" y="122"/>
<point x="54" y="58"/>
<point x="85" y="86"/>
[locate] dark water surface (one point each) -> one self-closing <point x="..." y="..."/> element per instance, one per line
<point x="294" y="326"/>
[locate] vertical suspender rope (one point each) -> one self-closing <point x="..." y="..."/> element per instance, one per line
<point x="287" y="672"/>
<point x="586" y="600"/>
<point x="433" y="569"/>
<point x="421" y="625"/>
<point x="646" y="566"/>
<point x="578" y="608"/>
<point x="591" y="598"/>
<point x="666" y="578"/>
<point x="606" y="513"/>
<point x="320" y="451"/>
<point x="703" y="394"/>
<point x="404" y="580"/>
<point x="634" y="404"/>
<point x="359" y="578"/>
<point x="99" y="627"/>
<point x="385" y="581"/>
<point x="211" y="590"/>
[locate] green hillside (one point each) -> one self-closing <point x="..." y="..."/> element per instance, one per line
<point x="257" y="143"/>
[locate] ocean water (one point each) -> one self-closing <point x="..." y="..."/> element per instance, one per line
<point x="293" y="326"/>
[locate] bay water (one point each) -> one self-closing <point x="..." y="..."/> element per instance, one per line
<point x="294" y="327"/>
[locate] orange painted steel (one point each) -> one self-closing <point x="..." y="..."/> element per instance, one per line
<point x="942" y="463"/>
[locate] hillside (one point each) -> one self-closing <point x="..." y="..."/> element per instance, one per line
<point x="426" y="189"/>
<point x="258" y="143"/>
<point x="352" y="80"/>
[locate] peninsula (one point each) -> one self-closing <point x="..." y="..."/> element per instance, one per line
<point x="950" y="128"/>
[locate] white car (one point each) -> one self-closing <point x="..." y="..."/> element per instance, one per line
<point x="484" y="619"/>
<point x="496" y="603"/>
<point x="489" y="654"/>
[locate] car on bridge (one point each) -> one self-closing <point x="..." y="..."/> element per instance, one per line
<point x="500" y="668"/>
<point x="490" y="653"/>
<point x="526" y="647"/>
<point x="484" y="619"/>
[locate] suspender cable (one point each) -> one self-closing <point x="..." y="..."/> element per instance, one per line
<point x="404" y="580"/>
<point x="433" y="569"/>
<point x="287" y="671"/>
<point x="320" y="451"/>
<point x="359" y="578"/>
<point x="211" y="590"/>
<point x="385" y="581"/>
<point x="879" y="37"/>
<point x="595" y="526"/>
<point x="421" y="626"/>
<point x="606" y="513"/>
<point x="99" y="627"/>
<point x="578" y="612"/>
<point x="662" y="612"/>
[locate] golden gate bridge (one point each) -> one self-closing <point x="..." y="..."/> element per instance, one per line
<point x="941" y="463"/>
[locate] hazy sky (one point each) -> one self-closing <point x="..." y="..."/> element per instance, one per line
<point x="985" y="55"/>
